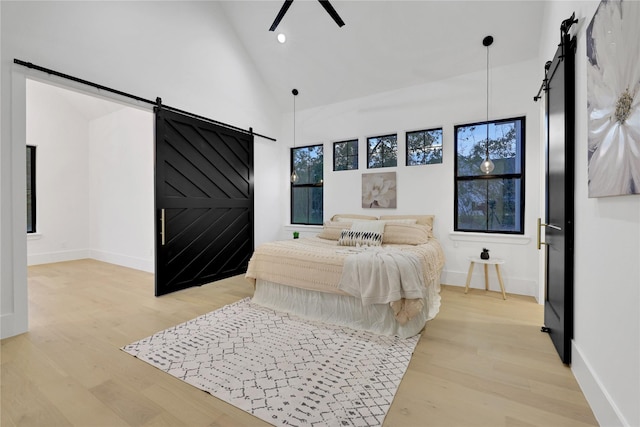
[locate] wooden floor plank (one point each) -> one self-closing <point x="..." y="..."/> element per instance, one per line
<point x="481" y="362"/>
<point x="78" y="406"/>
<point x="23" y="403"/>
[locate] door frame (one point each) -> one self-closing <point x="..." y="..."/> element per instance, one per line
<point x="14" y="258"/>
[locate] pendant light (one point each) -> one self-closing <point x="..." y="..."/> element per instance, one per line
<point x="487" y="165"/>
<point x="294" y="175"/>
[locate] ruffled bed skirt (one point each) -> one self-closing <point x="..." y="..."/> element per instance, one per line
<point x="344" y="310"/>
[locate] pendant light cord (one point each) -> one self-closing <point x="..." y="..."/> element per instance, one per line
<point x="295" y="93"/>
<point x="294" y="175"/>
<point x="487" y="144"/>
<point x="487" y="165"/>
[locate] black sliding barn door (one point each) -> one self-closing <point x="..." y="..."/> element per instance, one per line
<point x="559" y="235"/>
<point x="204" y="201"/>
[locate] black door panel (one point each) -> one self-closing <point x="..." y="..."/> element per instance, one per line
<point x="560" y="100"/>
<point x="204" y="201"/>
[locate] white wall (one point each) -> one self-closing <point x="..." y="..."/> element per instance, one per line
<point x="606" y="344"/>
<point x="121" y="197"/>
<point x="94" y="179"/>
<point x="184" y="52"/>
<point x="61" y="135"/>
<point x="429" y="189"/>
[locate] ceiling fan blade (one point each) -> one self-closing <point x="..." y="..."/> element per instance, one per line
<point x="283" y="10"/>
<point x="327" y="6"/>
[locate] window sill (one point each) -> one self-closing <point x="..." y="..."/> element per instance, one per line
<point x="510" y="239"/>
<point x="294" y="227"/>
<point x="34" y="236"/>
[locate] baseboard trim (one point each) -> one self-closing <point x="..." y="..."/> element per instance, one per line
<point x="62" y="256"/>
<point x="602" y="405"/>
<point x="512" y="285"/>
<point x="112" y="258"/>
<point x="147" y="265"/>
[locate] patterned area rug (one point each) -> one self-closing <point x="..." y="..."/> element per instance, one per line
<point x="284" y="370"/>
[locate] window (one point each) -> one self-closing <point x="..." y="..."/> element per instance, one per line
<point x="494" y="202"/>
<point x="345" y="155"/>
<point x="424" y="147"/>
<point x="31" y="189"/>
<point x="382" y="151"/>
<point x="306" y="192"/>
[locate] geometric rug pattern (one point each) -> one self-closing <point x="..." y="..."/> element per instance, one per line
<point x="282" y="369"/>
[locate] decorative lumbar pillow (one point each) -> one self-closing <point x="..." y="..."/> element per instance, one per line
<point x="359" y="238"/>
<point x="363" y="233"/>
<point x="406" y="234"/>
<point x="331" y="229"/>
<point x="424" y="220"/>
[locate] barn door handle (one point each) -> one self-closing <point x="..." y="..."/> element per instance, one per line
<point x="162" y="231"/>
<point x="540" y="225"/>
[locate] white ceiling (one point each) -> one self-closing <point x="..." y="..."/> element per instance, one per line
<point x="384" y="45"/>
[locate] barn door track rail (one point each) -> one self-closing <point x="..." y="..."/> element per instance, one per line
<point x="157" y="103"/>
<point x="565" y="26"/>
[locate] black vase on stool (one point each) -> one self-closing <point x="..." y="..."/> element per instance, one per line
<point x="484" y="254"/>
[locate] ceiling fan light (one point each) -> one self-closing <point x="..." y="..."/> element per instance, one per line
<point x="282" y="38"/>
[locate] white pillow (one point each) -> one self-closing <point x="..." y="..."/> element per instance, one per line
<point x="340" y="219"/>
<point x="373" y="226"/>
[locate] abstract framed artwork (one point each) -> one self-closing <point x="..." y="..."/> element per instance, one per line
<point x="379" y="190"/>
<point x="613" y="99"/>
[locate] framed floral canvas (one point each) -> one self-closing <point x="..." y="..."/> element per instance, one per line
<point x="379" y="190"/>
<point x="613" y="99"/>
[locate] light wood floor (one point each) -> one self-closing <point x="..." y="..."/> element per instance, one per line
<point x="481" y="362"/>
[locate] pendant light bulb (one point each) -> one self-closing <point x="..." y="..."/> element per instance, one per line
<point x="294" y="177"/>
<point x="487" y="166"/>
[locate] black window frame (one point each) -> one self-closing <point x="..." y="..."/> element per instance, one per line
<point x="296" y="185"/>
<point x="492" y="176"/>
<point x="369" y="152"/>
<point x="349" y="158"/>
<point x="31" y="189"/>
<point x="440" y="148"/>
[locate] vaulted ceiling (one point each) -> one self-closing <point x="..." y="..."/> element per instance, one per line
<point x="384" y="45"/>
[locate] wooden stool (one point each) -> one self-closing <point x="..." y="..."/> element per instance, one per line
<point x="486" y="262"/>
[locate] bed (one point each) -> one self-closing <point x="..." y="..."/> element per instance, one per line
<point x="376" y="274"/>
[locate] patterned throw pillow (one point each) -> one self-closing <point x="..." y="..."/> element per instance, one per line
<point x="359" y="238"/>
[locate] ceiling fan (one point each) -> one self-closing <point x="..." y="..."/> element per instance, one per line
<point x="325" y="3"/>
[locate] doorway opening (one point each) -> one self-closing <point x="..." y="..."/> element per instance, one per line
<point x="94" y="178"/>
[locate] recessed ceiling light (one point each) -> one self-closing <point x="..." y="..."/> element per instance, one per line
<point x="282" y="38"/>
